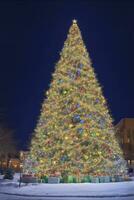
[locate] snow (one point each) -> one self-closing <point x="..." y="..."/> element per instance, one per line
<point x="64" y="189"/>
<point x="7" y="197"/>
<point x="81" y="189"/>
<point x="7" y="182"/>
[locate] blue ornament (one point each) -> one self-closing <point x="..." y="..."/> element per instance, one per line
<point x="80" y="65"/>
<point x="76" y="119"/>
<point x="64" y="158"/>
<point x="102" y="122"/>
<point x="116" y="157"/>
<point x="82" y="121"/>
<point x="77" y="105"/>
<point x="90" y="116"/>
<point x="51" y="154"/>
<point x="80" y="165"/>
<point x="71" y="75"/>
<point x="97" y="101"/>
<point x="80" y="130"/>
<point x="78" y="72"/>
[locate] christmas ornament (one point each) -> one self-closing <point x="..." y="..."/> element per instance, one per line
<point x="86" y="134"/>
<point x="96" y="101"/>
<point x="66" y="138"/>
<point x="90" y="116"/>
<point x="63" y="91"/>
<point x="71" y="75"/>
<point x="54" y="162"/>
<point x="102" y="122"/>
<point x="93" y="134"/>
<point x="80" y="65"/>
<point x="60" y="81"/>
<point x="76" y="119"/>
<point x="95" y="160"/>
<point x="82" y="121"/>
<point x="80" y="130"/>
<point x="64" y="158"/>
<point x="85" y="157"/>
<point x="71" y="125"/>
<point x="80" y="165"/>
<point x="78" y="73"/>
<point x="77" y="105"/>
<point x="47" y="92"/>
<point x="41" y="161"/>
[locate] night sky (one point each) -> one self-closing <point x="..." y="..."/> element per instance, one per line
<point x="31" y="37"/>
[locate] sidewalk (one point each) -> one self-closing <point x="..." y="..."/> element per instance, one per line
<point x="120" y="189"/>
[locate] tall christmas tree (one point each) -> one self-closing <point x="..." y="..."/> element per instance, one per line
<point x="74" y="134"/>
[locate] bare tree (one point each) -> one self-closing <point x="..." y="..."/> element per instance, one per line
<point x="7" y="144"/>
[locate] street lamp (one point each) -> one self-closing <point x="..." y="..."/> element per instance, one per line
<point x="21" y="167"/>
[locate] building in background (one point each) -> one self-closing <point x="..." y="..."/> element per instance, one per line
<point x="13" y="161"/>
<point x="125" y="134"/>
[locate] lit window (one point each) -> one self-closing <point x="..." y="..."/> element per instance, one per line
<point x="129" y="162"/>
<point x="132" y="161"/>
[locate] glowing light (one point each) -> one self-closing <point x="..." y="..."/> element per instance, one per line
<point x="73" y="134"/>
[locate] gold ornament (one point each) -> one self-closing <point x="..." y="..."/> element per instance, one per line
<point x="86" y="134"/>
<point x="54" y="162"/>
<point x="86" y="157"/>
<point x="66" y="138"/>
<point x="41" y="161"/>
<point x="70" y="125"/>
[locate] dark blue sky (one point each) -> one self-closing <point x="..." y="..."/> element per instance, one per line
<point x="31" y="37"/>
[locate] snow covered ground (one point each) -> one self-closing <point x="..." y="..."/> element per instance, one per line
<point x="6" y="197"/>
<point x="70" y="190"/>
<point x="81" y="191"/>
